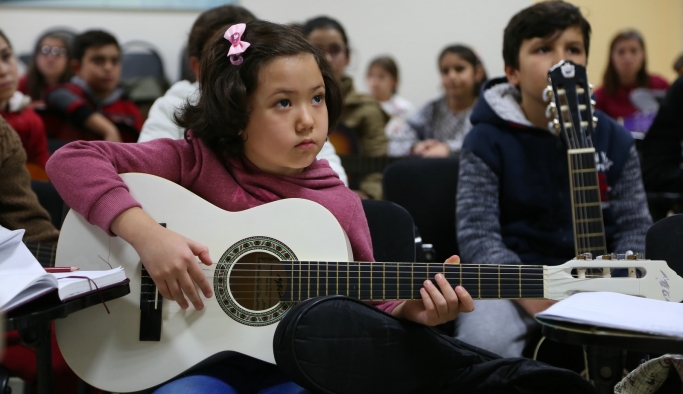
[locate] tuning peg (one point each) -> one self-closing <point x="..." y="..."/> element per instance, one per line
<point x="548" y="94"/>
<point x="593" y="103"/>
<point x="554" y="126"/>
<point x="595" y="122"/>
<point x="551" y="110"/>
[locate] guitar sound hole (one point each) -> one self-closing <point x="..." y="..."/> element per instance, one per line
<point x="257" y="281"/>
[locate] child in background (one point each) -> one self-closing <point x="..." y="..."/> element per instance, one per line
<point x="382" y="79"/>
<point x="252" y="138"/>
<point x="361" y="113"/>
<point x="625" y="72"/>
<point x="438" y="128"/>
<point x="160" y="123"/>
<point x="513" y="200"/>
<point x="49" y="67"/>
<point x="14" y="107"/>
<point x="91" y="105"/>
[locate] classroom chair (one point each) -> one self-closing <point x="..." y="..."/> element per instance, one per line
<point x="426" y="188"/>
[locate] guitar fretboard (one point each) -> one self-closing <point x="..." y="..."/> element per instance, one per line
<point x="402" y="281"/>
<point x="589" y="230"/>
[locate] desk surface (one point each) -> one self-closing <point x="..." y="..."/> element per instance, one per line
<point x="593" y="336"/>
<point x="50" y="307"/>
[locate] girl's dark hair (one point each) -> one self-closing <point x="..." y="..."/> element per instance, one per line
<point x="222" y="110"/>
<point x="387" y="64"/>
<point x="325" y="22"/>
<point x="4" y="37"/>
<point x="211" y="20"/>
<point x="467" y="54"/>
<point x="35" y="81"/>
<point x="610" y="80"/>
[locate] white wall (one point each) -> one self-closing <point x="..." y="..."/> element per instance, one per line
<point x="413" y="31"/>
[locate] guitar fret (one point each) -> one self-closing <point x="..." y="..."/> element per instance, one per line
<point x="587" y="188"/>
<point x="300" y="271"/>
<point x="384" y="285"/>
<point x="499" y="282"/>
<point x="479" y="279"/>
<point x="412" y="280"/>
<point x="581" y="171"/>
<point x="590" y="235"/>
<point x="520" y="281"/>
<point x="590" y="204"/>
<point x="371" y="280"/>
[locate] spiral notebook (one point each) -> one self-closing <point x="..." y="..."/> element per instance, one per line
<point x="23" y="279"/>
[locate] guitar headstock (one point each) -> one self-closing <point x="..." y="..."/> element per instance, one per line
<point x="646" y="278"/>
<point x="570" y="106"/>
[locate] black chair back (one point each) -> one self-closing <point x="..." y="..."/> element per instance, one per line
<point x="392" y="231"/>
<point x="663" y="242"/>
<point x="426" y="188"/>
<point x="50" y="200"/>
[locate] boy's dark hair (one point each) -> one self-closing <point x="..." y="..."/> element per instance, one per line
<point x="90" y="39"/>
<point x="541" y="20"/>
<point x="212" y="20"/>
<point x="221" y="112"/>
<point x="325" y="22"/>
<point x="610" y="79"/>
<point x="467" y="54"/>
<point x="35" y="81"/>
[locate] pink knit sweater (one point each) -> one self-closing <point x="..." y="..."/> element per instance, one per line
<point x="86" y="176"/>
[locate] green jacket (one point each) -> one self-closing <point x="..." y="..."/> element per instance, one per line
<point x="364" y="115"/>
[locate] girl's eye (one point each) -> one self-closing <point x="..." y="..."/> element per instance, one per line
<point x="543" y="49"/>
<point x="575" y="50"/>
<point x="283" y="103"/>
<point x="318" y="99"/>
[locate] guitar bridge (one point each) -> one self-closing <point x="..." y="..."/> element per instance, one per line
<point x="151" y="303"/>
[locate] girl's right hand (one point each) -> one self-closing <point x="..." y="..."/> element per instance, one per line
<point x="170" y="258"/>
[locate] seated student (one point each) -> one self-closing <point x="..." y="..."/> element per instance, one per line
<point x="160" y="120"/>
<point x="362" y="114"/>
<point x="661" y="148"/>
<point x="382" y="79"/>
<point x="438" y="128"/>
<point x="14" y="108"/>
<point x="252" y="140"/>
<point x="513" y="201"/>
<point x="627" y="71"/>
<point x="91" y="106"/>
<point x="49" y="67"/>
<point x="20" y="209"/>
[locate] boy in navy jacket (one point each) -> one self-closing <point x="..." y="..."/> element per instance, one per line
<point x="91" y="107"/>
<point x="513" y="200"/>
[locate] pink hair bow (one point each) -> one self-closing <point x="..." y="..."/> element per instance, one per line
<point x="234" y="35"/>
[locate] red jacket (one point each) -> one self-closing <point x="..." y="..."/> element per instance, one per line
<point x="70" y="104"/>
<point x="30" y="128"/>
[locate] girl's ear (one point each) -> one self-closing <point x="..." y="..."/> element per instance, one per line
<point x="479" y="74"/>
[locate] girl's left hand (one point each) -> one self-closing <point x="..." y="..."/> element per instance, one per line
<point x="436" y="307"/>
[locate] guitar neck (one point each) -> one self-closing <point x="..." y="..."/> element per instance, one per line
<point x="45" y="253"/>
<point x="402" y="281"/>
<point x="589" y="229"/>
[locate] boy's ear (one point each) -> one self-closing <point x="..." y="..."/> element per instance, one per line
<point x="479" y="74"/>
<point x="75" y="65"/>
<point x="513" y="75"/>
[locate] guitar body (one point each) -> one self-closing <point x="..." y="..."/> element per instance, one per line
<point x="106" y="350"/>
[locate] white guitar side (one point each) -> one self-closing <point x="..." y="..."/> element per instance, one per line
<point x="105" y="351"/>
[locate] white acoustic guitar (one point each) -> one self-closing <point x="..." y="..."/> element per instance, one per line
<point x="266" y="258"/>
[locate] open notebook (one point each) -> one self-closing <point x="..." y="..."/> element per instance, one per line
<point x="606" y="310"/>
<point x="23" y="279"/>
